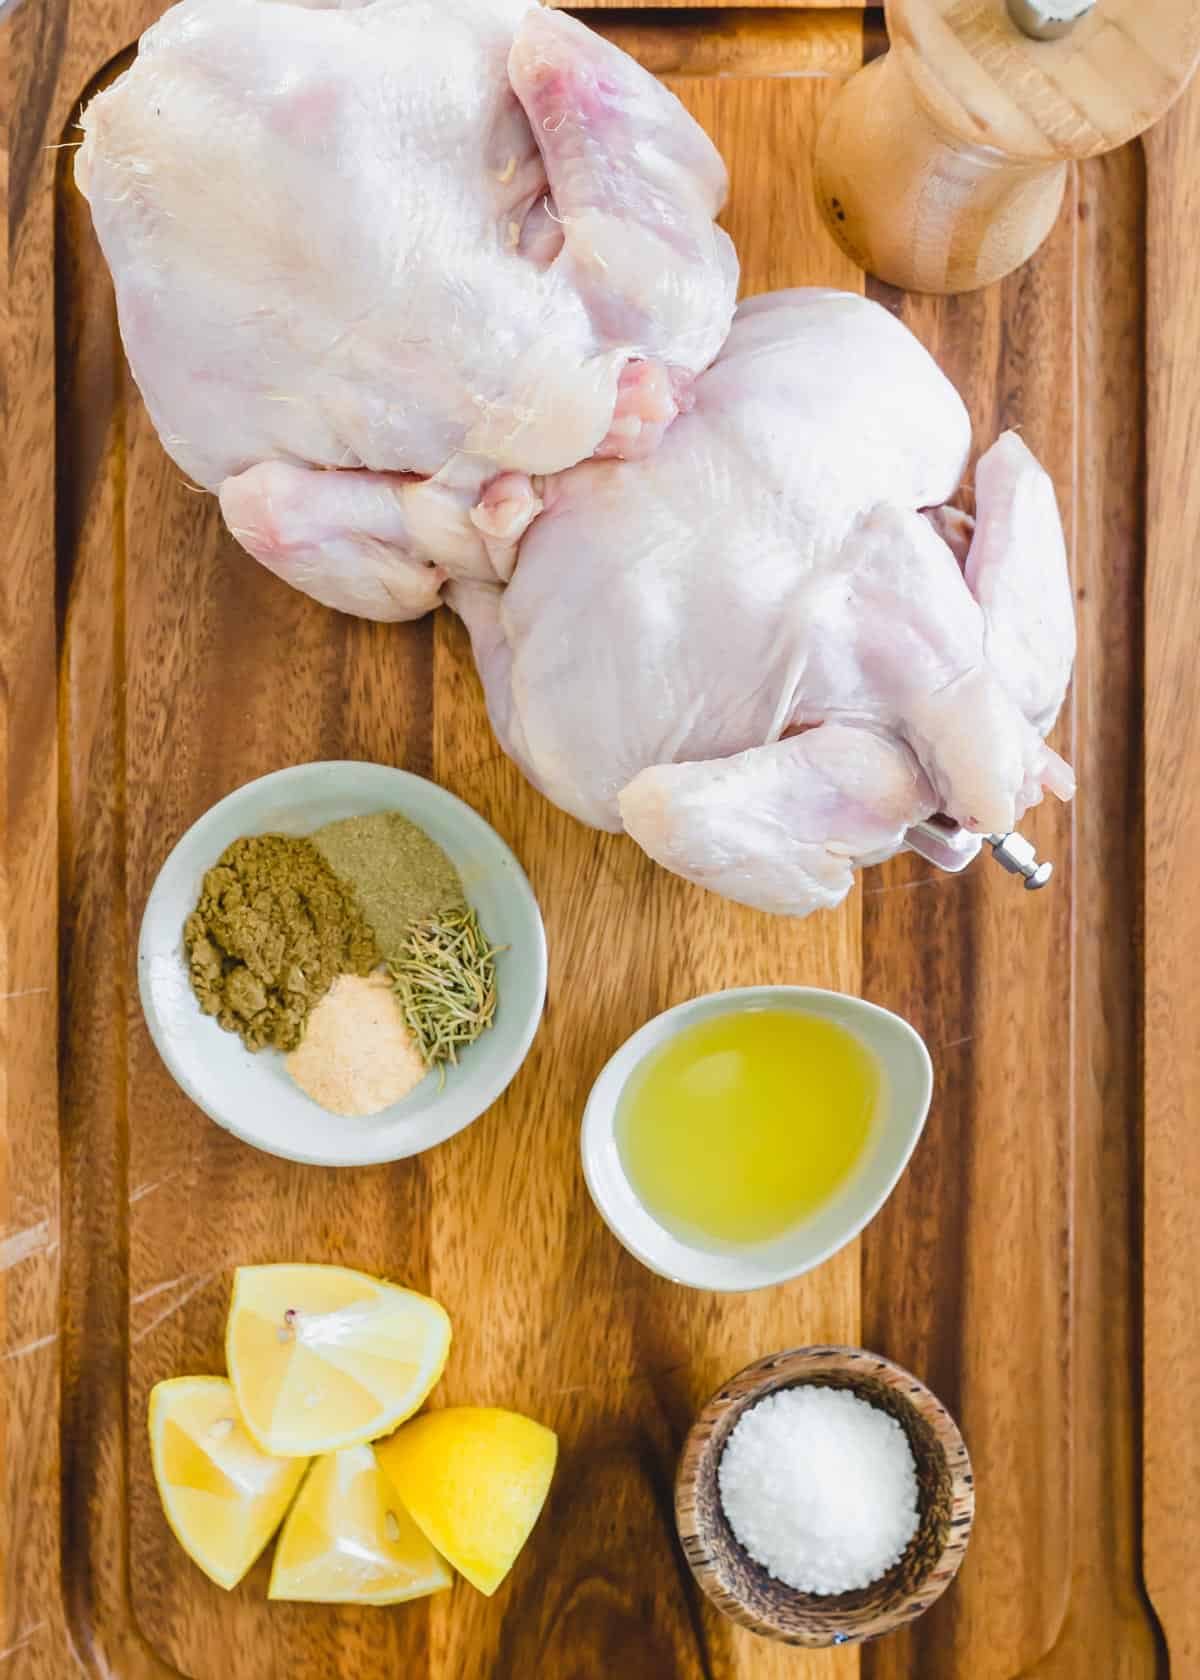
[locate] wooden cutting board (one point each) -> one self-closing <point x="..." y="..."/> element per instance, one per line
<point x="150" y="667"/>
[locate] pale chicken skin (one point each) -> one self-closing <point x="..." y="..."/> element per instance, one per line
<point x="755" y="652"/>
<point x="464" y="241"/>
<point x="431" y="295"/>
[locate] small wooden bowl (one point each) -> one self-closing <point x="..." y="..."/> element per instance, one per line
<point x="743" y="1589"/>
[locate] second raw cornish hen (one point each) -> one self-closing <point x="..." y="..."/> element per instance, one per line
<point x="768" y="651"/>
<point x="465" y="241"/>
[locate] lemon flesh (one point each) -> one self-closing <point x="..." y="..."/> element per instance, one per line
<point x="222" y="1495"/>
<point x="323" y="1358"/>
<point x="474" y="1479"/>
<point x="349" y="1540"/>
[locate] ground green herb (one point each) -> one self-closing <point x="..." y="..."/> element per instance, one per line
<point x="273" y="929"/>
<point x="445" y="981"/>
<point x="400" y="875"/>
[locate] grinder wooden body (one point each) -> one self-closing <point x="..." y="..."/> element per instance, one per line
<point x="941" y="166"/>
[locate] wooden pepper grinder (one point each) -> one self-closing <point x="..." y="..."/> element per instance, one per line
<point x="941" y="167"/>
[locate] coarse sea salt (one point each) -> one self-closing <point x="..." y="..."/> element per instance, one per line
<point x="820" y="1488"/>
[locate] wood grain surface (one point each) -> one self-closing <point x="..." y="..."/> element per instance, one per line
<point x="1171" y="1231"/>
<point x="154" y="667"/>
<point x="1015" y="1182"/>
<point x="985" y="83"/>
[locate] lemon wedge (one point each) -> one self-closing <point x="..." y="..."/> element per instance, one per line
<point x="349" y="1540"/>
<point x="223" y="1497"/>
<point x="474" y="1479"/>
<point x="323" y="1358"/>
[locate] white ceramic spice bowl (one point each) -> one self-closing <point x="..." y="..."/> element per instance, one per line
<point x="906" y="1089"/>
<point x="251" y="1094"/>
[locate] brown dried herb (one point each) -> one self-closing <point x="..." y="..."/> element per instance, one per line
<point x="273" y="929"/>
<point x="401" y="876"/>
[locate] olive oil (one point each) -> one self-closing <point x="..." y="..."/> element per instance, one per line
<point x="745" y="1124"/>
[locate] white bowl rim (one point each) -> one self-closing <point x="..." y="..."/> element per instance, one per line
<point x="599" y="1117"/>
<point x="383" y="1153"/>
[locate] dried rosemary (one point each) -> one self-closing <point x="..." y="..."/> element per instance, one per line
<point x="445" y="981"/>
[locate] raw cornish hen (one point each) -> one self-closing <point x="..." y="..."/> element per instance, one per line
<point x="755" y="651"/>
<point x="463" y="240"/>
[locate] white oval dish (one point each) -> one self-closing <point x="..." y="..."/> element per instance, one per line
<point x="251" y="1094"/>
<point x="904" y="1103"/>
